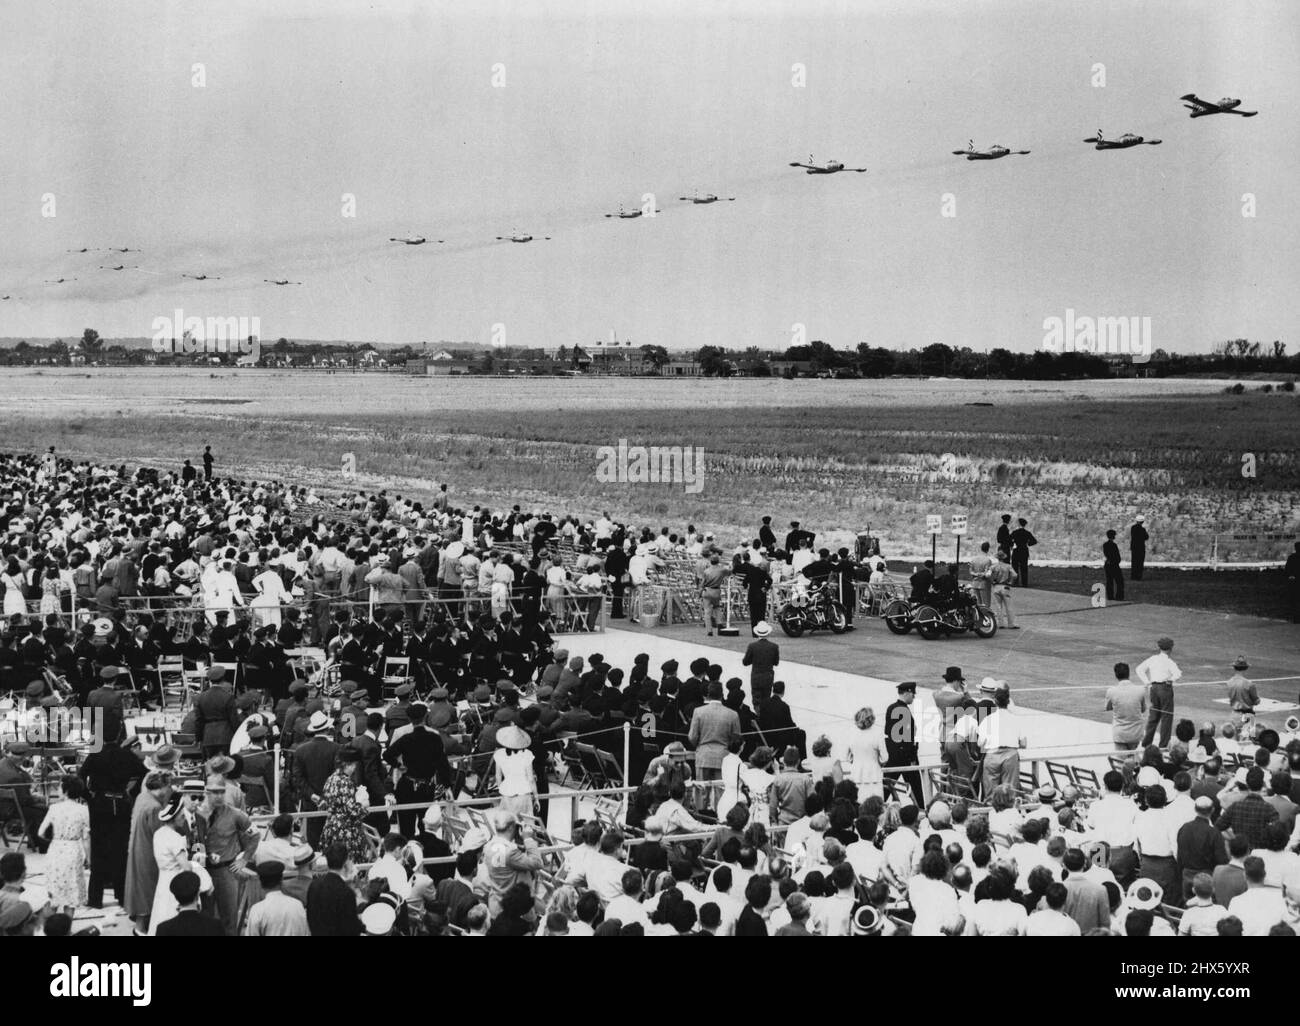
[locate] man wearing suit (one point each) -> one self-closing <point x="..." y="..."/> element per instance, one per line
<point x="313" y="762"/>
<point x="1021" y="539"/>
<point x="766" y="536"/>
<point x="215" y="715"/>
<point x="373" y="774"/>
<point x="690" y="696"/>
<point x="1114" y="575"/>
<point x="757" y="584"/>
<point x="762" y="656"/>
<point x="1137" y="546"/>
<point x="106" y="697"/>
<point x="776" y="723"/>
<point x="901" y="743"/>
<point x="616" y="563"/>
<point x="331" y="901"/>
<point x="714" y="728"/>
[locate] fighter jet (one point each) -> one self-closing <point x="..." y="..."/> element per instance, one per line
<point x="699" y="200"/>
<point x="202" y="277"/>
<point x="59" y="281"/>
<point x="1122" y="143"/>
<point x="992" y="153"/>
<point x="520" y="238"/>
<point x="84" y="249"/>
<point x="280" y="281"/>
<point x="112" y="249"/>
<point x="628" y="214"/>
<point x="415" y="240"/>
<point x="832" y="167"/>
<point x="1227" y="105"/>
<point x="119" y="267"/>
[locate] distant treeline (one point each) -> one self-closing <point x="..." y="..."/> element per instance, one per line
<point x="816" y="359"/>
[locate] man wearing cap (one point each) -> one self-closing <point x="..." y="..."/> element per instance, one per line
<point x="1110" y="566"/>
<point x="1137" y="546"/>
<point x="215" y="715"/>
<point x="277" y="914"/>
<point x="762" y="656"/>
<point x="110" y="775"/>
<point x="1243" y="697"/>
<point x="901" y="742"/>
<point x="352" y="720"/>
<point x="229" y="838"/>
<point x="313" y="762"/>
<point x="422" y="758"/>
<point x="1021" y="539"/>
<point x="1159" y="673"/>
<point x="1200" y="846"/>
<point x="106" y="697"/>
<point x="1127" y="704"/>
<point x="398" y="714"/>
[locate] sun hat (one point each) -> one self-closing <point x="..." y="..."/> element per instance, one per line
<point x="762" y="629"/>
<point x="1145" y="894"/>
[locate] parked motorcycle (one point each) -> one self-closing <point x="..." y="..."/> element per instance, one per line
<point x="902" y="615"/>
<point x="812" y="610"/>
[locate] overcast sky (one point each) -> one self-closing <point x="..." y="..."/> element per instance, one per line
<point x="603" y="102"/>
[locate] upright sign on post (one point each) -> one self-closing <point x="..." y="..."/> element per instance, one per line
<point x="934" y="528"/>
<point x="957" y="524"/>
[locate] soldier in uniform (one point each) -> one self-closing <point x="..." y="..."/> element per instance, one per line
<point x="1114" y="575"/>
<point x="111" y="775"/>
<point x="901" y="743"/>
<point x="422" y="758"/>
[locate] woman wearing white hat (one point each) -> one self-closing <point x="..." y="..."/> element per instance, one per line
<point x="171" y="850"/>
<point x="512" y="767"/>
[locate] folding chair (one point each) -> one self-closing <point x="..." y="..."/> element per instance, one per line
<point x="1117" y="762"/>
<point x="397" y="671"/>
<point x="188" y="746"/>
<point x="574" y="772"/>
<point x="171" y="680"/>
<point x="610" y="768"/>
<point x="1028" y="782"/>
<point x="13" y="823"/>
<point x="152" y="735"/>
<point x="1087" y="782"/>
<point x="1060" y="775"/>
<point x="591" y="765"/>
<point x="1173" y="914"/>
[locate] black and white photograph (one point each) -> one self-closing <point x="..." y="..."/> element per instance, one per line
<point x="651" y="468"/>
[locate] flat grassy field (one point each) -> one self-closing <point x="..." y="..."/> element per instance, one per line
<point x="1074" y="458"/>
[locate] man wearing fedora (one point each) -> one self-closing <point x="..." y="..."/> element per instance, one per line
<point x="1159" y="673"/>
<point x="1243" y="696"/>
<point x="762" y="656"/>
<point x="313" y="762"/>
<point x="12" y="775"/>
<point x="215" y="714"/>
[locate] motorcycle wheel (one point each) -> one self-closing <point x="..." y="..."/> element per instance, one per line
<point x="929" y="624"/>
<point x="792" y="621"/>
<point x="835" y="618"/>
<point x="898" y="617"/>
<point x="986" y="624"/>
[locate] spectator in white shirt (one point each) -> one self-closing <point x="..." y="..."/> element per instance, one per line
<point x="1159" y="673"/>
<point x="627" y="907"/>
<point x="1202" y="915"/>
<point x="998" y="915"/>
<point x="933" y="899"/>
<point x="902" y="848"/>
<point x="1261" y="907"/>
<point x="1052" y="920"/>
<point x="605" y="871"/>
<point x="574" y="869"/>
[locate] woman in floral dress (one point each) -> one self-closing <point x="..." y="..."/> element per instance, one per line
<point x="344" y="814"/>
<point x="68" y="824"/>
